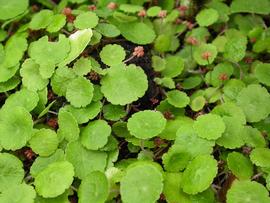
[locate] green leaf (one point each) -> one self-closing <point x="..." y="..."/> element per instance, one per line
<point x="24" y="194"/>
<point x="174" y="66"/>
<point x="61" y="79"/>
<point x="42" y="163"/>
<point x="85" y="161"/>
<point x="253" y="137"/>
<point x="59" y="199"/>
<point x="249" y="6"/>
<point x="124" y="84"/>
<point x="176" y="159"/>
<point x="68" y="126"/>
<point x="108" y="30"/>
<point x="7" y="73"/>
<point x="31" y="77"/>
<point x="45" y="52"/>
<point x="23" y="98"/>
<point x="44" y="142"/>
<point x="12" y="8"/>
<point x="58" y="21"/>
<point x="198" y="175"/>
<point x="54" y="179"/>
<point x="112" y="54"/>
<point x="153" y="11"/>
<point x="262" y="73"/>
<point x="95" y="134"/>
<point x="209" y="126"/>
<point x="205" y="54"/>
<point x="240" y="165"/>
<point x="11" y="171"/>
<point x="260" y="157"/>
<point x="178" y="98"/>
<point x="235" y="47"/>
<point x="143" y="182"/>
<point x="94" y="188"/>
<point x="113" y="112"/>
<point x="9" y="84"/>
<point x="82" y="66"/>
<point x="233" y="135"/>
<point x="41" y="20"/>
<point x="252" y="100"/>
<point x="222" y="69"/>
<point x="86" y="20"/>
<point x="207" y="17"/>
<point x="83" y="115"/>
<point x="146" y="124"/>
<point x="137" y="32"/>
<point x="247" y="191"/>
<point x="158" y="63"/>
<point x="16" y="128"/>
<point x="197" y="103"/>
<point x="130" y="8"/>
<point x="80" y="92"/>
<point x="78" y="42"/>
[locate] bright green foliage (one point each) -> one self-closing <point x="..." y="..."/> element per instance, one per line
<point x="84" y="160"/>
<point x="209" y="126"/>
<point x="153" y="11"/>
<point x="16" y="128"/>
<point x="20" y="193"/>
<point x="250" y="6"/>
<point x="260" y="157"/>
<point x="178" y="99"/>
<point x="253" y="137"/>
<point x="83" y="115"/>
<point x="252" y="100"/>
<point x="108" y="30"/>
<point x="112" y="54"/>
<point x="146" y="124"/>
<point x="44" y="142"/>
<point x="41" y="163"/>
<point x="78" y="41"/>
<point x="94" y="188"/>
<point x="247" y="191"/>
<point x="113" y="112"/>
<point x="262" y="73"/>
<point x="240" y="165"/>
<point x="205" y="54"/>
<point x="199" y="174"/>
<point x="82" y="66"/>
<point x="95" y="135"/>
<point x="143" y="182"/>
<point x="174" y="66"/>
<point x="80" y="92"/>
<point x="86" y="20"/>
<point x="233" y="135"/>
<point x="207" y="17"/>
<point x="124" y="84"/>
<point x="41" y="20"/>
<point x="13" y="8"/>
<point x="137" y="32"/>
<point x="68" y="126"/>
<point x="24" y="98"/>
<point x="54" y="179"/>
<point x="11" y="171"/>
<point x="31" y="77"/>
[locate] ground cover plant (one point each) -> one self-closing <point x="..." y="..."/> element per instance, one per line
<point x="134" y="101"/>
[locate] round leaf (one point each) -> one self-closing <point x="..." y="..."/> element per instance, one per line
<point x="123" y="85"/>
<point x="44" y="142"/>
<point x="142" y="183"/>
<point x="262" y="73"/>
<point x="16" y="128"/>
<point x="86" y="20"/>
<point x="178" y="99"/>
<point x="12" y="8"/>
<point x="112" y="54"/>
<point x="94" y="188"/>
<point x="199" y="174"/>
<point x="146" y="124"/>
<point x="95" y="134"/>
<point x="80" y="92"/>
<point x="54" y="179"/>
<point x="253" y="100"/>
<point x="207" y="17"/>
<point x="209" y="126"/>
<point x="205" y="54"/>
